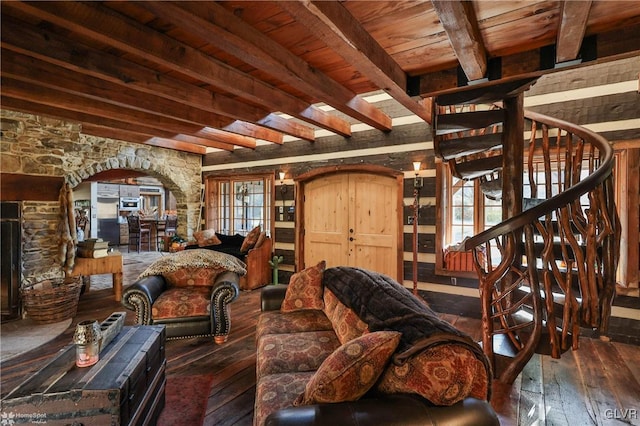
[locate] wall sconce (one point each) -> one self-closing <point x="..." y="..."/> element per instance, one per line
<point x="417" y="182"/>
<point x="283" y="191"/>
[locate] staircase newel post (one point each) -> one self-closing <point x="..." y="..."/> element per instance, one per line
<point x="513" y="167"/>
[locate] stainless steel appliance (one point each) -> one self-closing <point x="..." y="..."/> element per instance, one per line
<point x="107" y="215"/>
<point x="130" y="204"/>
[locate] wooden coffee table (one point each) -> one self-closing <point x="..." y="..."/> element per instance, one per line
<point x="111" y="264"/>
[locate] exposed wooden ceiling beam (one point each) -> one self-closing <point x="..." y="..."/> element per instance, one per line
<point x="220" y="27"/>
<point x="573" y="24"/>
<point x="103" y="25"/>
<point x="345" y="35"/>
<point x="459" y="21"/>
<point x="31" y="70"/>
<point x="111" y="133"/>
<point x="56" y="98"/>
<point x="125" y="131"/>
<point x="610" y="46"/>
<point x="48" y="46"/>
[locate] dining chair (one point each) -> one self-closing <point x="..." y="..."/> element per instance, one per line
<point x="166" y="229"/>
<point x="137" y="233"/>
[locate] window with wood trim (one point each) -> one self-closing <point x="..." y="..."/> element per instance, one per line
<point x="237" y="204"/>
<point x="465" y="210"/>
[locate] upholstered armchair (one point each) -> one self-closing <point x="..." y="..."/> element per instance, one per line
<point x="188" y="301"/>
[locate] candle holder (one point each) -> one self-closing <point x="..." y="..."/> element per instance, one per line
<point x="87" y="339"/>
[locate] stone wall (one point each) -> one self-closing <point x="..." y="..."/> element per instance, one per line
<point x="42" y="146"/>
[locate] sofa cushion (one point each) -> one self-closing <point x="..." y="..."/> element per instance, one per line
<point x="276" y="322"/>
<point x="277" y="391"/>
<point x="444" y="374"/>
<point x="178" y="302"/>
<point x="305" y="289"/>
<point x="190" y="277"/>
<point x="250" y="240"/>
<point x="345" y="322"/>
<point x="206" y="237"/>
<point x="305" y="351"/>
<point x="351" y="370"/>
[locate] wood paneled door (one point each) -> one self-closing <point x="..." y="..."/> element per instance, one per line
<point x="352" y="218"/>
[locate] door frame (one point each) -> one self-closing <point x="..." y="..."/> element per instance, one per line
<point x="318" y="173"/>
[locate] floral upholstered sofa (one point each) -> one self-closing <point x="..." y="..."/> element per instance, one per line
<point x="188" y="292"/>
<point x="347" y="346"/>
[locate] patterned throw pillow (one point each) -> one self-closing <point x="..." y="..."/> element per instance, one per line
<point x="444" y="375"/>
<point x="346" y="324"/>
<point x="206" y="238"/>
<point x="250" y="240"/>
<point x="351" y="370"/>
<point x="193" y="277"/>
<point x="305" y="290"/>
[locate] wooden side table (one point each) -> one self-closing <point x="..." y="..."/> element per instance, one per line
<point x="111" y="264"/>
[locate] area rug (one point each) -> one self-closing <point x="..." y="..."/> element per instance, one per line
<point x="186" y="400"/>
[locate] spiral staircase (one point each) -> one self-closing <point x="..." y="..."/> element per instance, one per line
<point x="548" y="268"/>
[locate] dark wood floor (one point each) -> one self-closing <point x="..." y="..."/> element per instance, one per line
<point x="597" y="385"/>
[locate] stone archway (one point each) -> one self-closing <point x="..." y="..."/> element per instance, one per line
<point x="183" y="182"/>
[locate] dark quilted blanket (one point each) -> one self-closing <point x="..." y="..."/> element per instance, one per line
<point x="384" y="304"/>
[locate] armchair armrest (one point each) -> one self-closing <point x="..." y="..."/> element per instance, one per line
<point x="225" y="290"/>
<point x="140" y="296"/>
<point x="272" y="296"/>
<point x="398" y="410"/>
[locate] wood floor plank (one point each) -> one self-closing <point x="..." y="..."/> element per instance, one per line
<point x="531" y="409"/>
<point x="624" y="387"/>
<point x="562" y="393"/>
<point x="631" y="355"/>
<point x="595" y="389"/>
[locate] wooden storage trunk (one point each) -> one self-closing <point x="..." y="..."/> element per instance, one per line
<point x="125" y="387"/>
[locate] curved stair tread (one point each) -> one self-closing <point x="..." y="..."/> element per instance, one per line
<point x="449" y="149"/>
<point x="464" y="121"/>
<point x="476" y="168"/>
<point x="486" y="93"/>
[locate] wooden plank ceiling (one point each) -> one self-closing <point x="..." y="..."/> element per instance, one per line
<point x="197" y="75"/>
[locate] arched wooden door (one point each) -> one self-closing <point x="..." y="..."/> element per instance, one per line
<point x="353" y="218"/>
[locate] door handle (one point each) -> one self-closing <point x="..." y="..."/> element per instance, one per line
<point x="351" y="239"/>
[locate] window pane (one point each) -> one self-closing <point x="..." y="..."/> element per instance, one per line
<point x="224" y="210"/>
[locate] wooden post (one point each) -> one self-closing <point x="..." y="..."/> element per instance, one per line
<point x="416" y="190"/>
<point x="512" y="156"/>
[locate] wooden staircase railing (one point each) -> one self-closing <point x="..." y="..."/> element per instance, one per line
<point x="551" y="269"/>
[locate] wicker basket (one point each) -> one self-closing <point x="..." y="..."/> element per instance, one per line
<point x="52" y="300"/>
